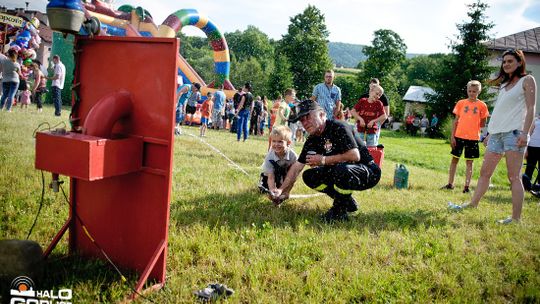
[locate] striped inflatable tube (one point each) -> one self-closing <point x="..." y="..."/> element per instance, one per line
<point x="222" y="64"/>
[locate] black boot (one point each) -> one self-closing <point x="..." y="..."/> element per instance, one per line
<point x="335" y="214"/>
<point x="347" y="201"/>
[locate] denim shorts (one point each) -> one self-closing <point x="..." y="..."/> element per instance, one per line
<point x="371" y="140"/>
<point x="503" y="142"/>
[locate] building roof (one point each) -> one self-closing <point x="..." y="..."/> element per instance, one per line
<point x="528" y="41"/>
<point x="417" y="94"/>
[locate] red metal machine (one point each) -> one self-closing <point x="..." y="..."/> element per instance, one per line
<point x="119" y="152"/>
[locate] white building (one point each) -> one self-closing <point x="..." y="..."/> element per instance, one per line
<point x="415" y="100"/>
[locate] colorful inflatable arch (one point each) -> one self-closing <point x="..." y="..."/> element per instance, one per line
<point x="136" y="21"/>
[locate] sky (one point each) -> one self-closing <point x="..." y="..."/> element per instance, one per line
<point x="426" y="26"/>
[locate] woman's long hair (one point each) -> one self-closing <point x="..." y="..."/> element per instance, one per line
<point x="503" y="77"/>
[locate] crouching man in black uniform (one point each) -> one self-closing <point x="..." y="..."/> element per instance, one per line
<point x="339" y="161"/>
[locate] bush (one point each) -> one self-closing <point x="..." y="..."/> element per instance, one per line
<point x="446" y="128"/>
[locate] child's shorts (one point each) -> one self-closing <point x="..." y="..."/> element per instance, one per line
<point x="190" y="110"/>
<point x="471" y="148"/>
<point x="503" y="142"/>
<point x="204" y="121"/>
<point x="371" y="139"/>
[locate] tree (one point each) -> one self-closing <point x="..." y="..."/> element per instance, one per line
<point x="251" y="43"/>
<point x="350" y="90"/>
<point x="199" y="54"/>
<point x="385" y="56"/>
<point x="281" y="78"/>
<point x="421" y="70"/>
<point x="469" y="61"/>
<point x="305" y="46"/>
<point x="250" y="70"/>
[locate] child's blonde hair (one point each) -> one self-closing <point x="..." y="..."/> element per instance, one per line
<point x="474" y="83"/>
<point x="281" y="132"/>
<point x="377" y="87"/>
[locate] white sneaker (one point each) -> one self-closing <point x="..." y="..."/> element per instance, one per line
<point x="456" y="207"/>
<point x="507" y="221"/>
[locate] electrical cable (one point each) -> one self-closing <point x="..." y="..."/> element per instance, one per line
<point x="40" y="204"/>
<point x="37" y="129"/>
<point x="49" y="128"/>
<point x="244" y="171"/>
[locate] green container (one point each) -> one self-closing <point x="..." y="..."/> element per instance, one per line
<point x="401" y="177"/>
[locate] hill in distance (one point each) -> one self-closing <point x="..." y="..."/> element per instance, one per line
<point x="349" y="55"/>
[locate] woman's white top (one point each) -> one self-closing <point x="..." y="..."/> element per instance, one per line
<point x="535" y="136"/>
<point x="510" y="109"/>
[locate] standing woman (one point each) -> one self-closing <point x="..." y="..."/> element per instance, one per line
<point x="509" y="130"/>
<point x="11" y="71"/>
<point x="245" y="107"/>
<point x="40" y="85"/>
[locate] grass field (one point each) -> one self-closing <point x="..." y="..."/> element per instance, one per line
<point x="401" y="246"/>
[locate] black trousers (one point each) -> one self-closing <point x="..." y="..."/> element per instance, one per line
<point x="533" y="158"/>
<point x="254" y="125"/>
<point x="341" y="179"/>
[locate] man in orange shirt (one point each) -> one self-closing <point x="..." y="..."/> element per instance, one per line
<point x="206" y="112"/>
<point x="471" y="115"/>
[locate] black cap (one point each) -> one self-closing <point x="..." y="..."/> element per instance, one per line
<point x="303" y="109"/>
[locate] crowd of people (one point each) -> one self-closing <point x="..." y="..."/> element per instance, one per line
<point x="415" y="122"/>
<point x="24" y="82"/>
<point x="336" y="150"/>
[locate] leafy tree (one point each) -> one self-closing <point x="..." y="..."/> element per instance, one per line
<point x="250" y="70"/>
<point x="251" y="43"/>
<point x="191" y="46"/>
<point x="385" y="56"/>
<point x="469" y="61"/>
<point x="421" y="70"/>
<point x="350" y="91"/>
<point x="281" y="78"/>
<point x="199" y="54"/>
<point x="305" y="46"/>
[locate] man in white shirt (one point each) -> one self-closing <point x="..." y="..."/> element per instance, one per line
<point x="57" y="84"/>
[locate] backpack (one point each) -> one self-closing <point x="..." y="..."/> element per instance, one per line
<point x="257" y="108"/>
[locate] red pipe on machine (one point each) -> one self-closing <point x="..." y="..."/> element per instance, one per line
<point x="106" y="112"/>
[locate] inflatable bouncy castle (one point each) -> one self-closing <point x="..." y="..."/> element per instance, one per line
<point x="24" y="39"/>
<point x="97" y="17"/>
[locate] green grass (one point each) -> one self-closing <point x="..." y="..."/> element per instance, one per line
<point x="402" y="246"/>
